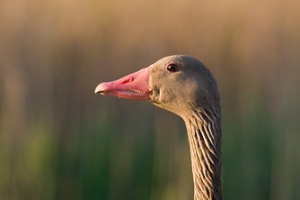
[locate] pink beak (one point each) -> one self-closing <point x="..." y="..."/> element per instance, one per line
<point x="133" y="86"/>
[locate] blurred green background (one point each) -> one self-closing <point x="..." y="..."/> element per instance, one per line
<point x="60" y="141"/>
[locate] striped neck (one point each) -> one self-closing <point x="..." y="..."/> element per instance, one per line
<point x="204" y="134"/>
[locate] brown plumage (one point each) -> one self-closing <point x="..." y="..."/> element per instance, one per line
<point x="184" y="86"/>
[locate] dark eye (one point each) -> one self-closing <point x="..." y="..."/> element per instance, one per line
<point x="172" y="67"/>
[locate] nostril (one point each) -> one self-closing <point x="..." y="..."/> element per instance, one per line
<point x="127" y="80"/>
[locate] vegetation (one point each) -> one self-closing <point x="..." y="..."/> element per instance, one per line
<point x="60" y="141"/>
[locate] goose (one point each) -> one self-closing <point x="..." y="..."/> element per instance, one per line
<point x="183" y="85"/>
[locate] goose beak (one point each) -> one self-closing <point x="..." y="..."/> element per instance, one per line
<point x="133" y="86"/>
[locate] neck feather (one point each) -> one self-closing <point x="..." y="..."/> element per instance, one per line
<point x="204" y="134"/>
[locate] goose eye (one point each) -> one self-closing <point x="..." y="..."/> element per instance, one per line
<point x="172" y="67"/>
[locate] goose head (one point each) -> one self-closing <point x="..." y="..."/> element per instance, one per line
<point x="176" y="83"/>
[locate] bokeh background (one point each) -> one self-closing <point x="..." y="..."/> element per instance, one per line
<point x="60" y="141"/>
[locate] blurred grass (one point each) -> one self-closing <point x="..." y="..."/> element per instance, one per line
<point x="60" y="141"/>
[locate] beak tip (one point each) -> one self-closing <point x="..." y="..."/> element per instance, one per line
<point x="98" y="89"/>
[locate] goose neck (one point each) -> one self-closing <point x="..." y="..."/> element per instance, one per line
<point x="204" y="135"/>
